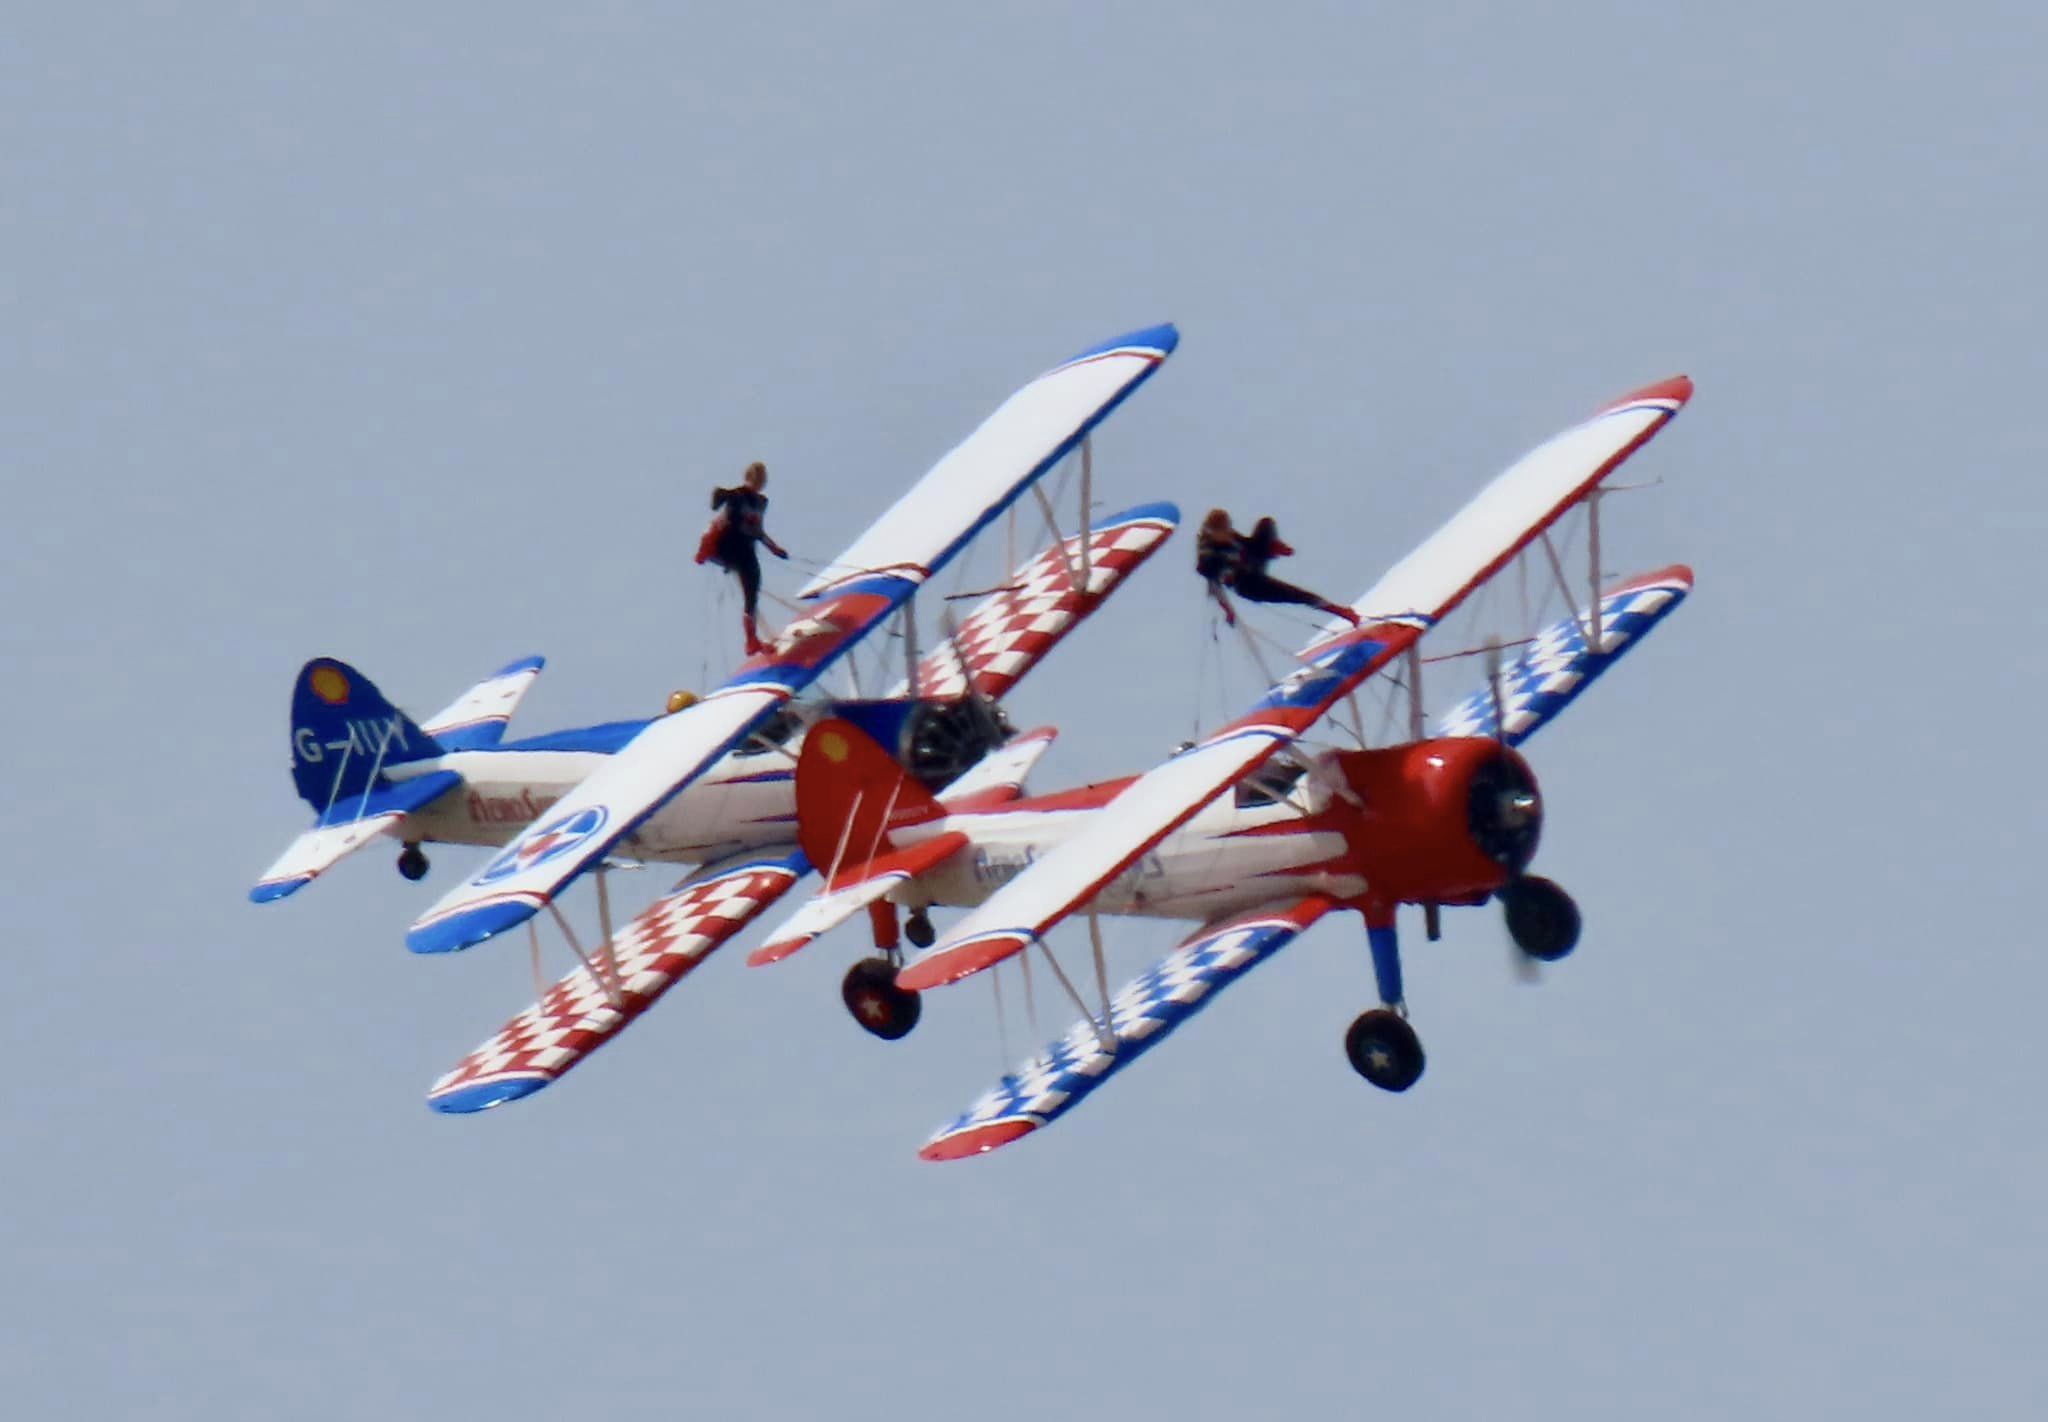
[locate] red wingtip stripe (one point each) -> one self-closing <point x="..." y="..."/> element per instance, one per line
<point x="1676" y="573"/>
<point x="953" y="964"/>
<point x="1677" y="389"/>
<point x="977" y="1140"/>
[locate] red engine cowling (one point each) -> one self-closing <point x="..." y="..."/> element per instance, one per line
<point x="1444" y="821"/>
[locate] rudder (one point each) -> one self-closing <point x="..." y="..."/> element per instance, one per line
<point x="850" y="793"/>
<point x="345" y="732"/>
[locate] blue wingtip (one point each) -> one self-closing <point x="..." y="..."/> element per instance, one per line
<point x="468" y="1100"/>
<point x="523" y="664"/>
<point x="1161" y="338"/>
<point x="1164" y="511"/>
<point x="278" y="888"/>
<point x="466" y="929"/>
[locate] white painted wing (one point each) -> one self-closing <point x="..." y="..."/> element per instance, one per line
<point x="1031" y="431"/>
<point x="1515" y="508"/>
<point x="592" y="818"/>
<point x="1420" y="590"/>
<point x="652" y="954"/>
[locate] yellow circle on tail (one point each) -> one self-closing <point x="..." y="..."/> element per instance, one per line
<point x="833" y="746"/>
<point x="329" y="685"/>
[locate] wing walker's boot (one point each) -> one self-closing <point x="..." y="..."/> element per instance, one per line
<point x="755" y="646"/>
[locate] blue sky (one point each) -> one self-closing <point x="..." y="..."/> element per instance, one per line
<point x="416" y="339"/>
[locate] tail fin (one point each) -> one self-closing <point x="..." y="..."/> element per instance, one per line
<point x="344" y="733"/>
<point x="849" y="794"/>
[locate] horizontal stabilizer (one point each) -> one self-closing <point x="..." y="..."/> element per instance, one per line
<point x="1553" y="669"/>
<point x="999" y="776"/>
<point x="585" y="1010"/>
<point x="853" y="891"/>
<point x="476" y="720"/>
<point x="1141" y="1014"/>
<point x="346" y="828"/>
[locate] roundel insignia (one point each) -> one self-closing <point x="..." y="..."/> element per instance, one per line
<point x="330" y="685"/>
<point x="551" y="841"/>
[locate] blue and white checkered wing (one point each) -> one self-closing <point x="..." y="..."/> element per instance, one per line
<point x="1553" y="669"/>
<point x="1141" y="1014"/>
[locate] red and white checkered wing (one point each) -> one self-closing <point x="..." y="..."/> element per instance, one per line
<point x="1012" y="629"/>
<point x="650" y="955"/>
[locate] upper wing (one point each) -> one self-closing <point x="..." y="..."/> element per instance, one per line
<point x="477" y="718"/>
<point x="1011" y="630"/>
<point x="651" y="954"/>
<point x="1511" y="512"/>
<point x="347" y="827"/>
<point x="973" y="484"/>
<point x="1029" y="433"/>
<point x="1414" y="595"/>
<point x="1140" y="1015"/>
<point x="1553" y="669"/>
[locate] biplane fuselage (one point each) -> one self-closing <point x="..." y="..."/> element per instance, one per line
<point x="743" y="802"/>
<point x="1439" y="821"/>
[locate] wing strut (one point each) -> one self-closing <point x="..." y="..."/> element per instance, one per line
<point x="1593" y="565"/>
<point x="602" y="978"/>
<point x="1087" y="498"/>
<point x="1564" y="585"/>
<point x="1101" y="1024"/>
<point x="1052" y="526"/>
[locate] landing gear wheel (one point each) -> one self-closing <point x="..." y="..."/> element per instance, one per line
<point x="877" y="1004"/>
<point x="1384" y="1050"/>
<point x="412" y="862"/>
<point x="1542" y="919"/>
<point x="918" y="929"/>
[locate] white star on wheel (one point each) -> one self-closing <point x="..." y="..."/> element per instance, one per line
<point x="1380" y="1058"/>
<point x="873" y="1009"/>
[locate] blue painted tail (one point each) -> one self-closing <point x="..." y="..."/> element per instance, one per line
<point x="345" y="734"/>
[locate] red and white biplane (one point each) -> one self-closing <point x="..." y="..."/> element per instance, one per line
<point x="1251" y="832"/>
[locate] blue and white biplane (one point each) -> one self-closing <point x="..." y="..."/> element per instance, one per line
<point x="710" y="783"/>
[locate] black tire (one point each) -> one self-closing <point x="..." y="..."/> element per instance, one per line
<point x="1384" y="1049"/>
<point x="412" y="862"/>
<point x="876" y="1003"/>
<point x="918" y="929"/>
<point x="1542" y="919"/>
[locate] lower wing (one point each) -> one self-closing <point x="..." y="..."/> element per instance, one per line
<point x="595" y="1003"/>
<point x="1553" y="669"/>
<point x="1140" y="1016"/>
<point x="1012" y="629"/>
